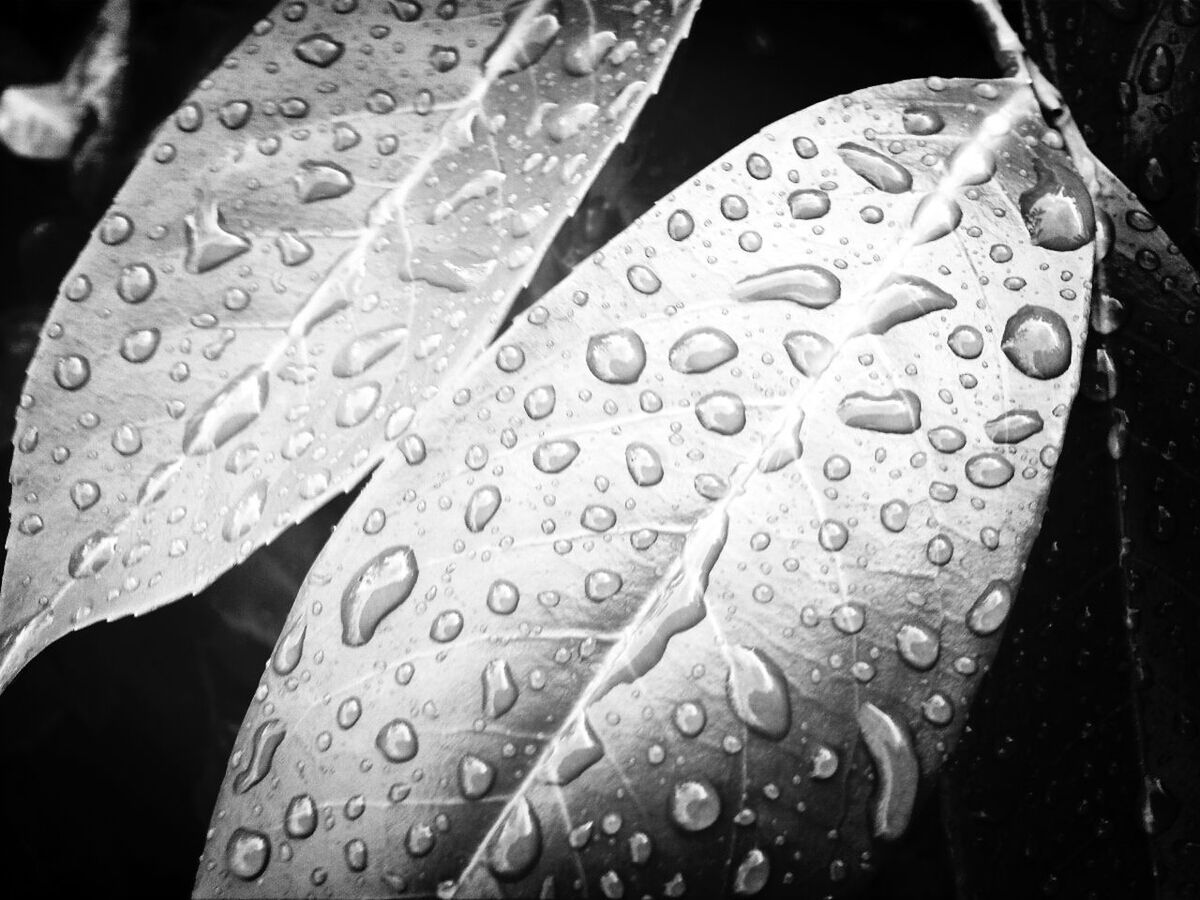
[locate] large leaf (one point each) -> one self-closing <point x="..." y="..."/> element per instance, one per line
<point x="336" y="221"/>
<point x="1091" y="716"/>
<point x="700" y="566"/>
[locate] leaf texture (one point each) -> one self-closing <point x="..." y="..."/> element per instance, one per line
<point x="1093" y="701"/>
<point x="699" y="567"/>
<point x="333" y="223"/>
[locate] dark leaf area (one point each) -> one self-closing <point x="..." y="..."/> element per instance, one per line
<point x="116" y="739"/>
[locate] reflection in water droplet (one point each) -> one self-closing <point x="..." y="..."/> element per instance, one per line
<point x="832" y="535"/>
<point x="446" y="627"/>
<point x="209" y="244"/>
<point x="947" y="439"/>
<point x="690" y="718"/>
<point x="758" y="693"/>
<point x="894" y="515"/>
<point x="475" y="777"/>
<point x="300" y="819"/>
<point x="375" y="591"/>
<point x="752" y="875"/>
<point x="321" y="181"/>
<point x="139" y="345"/>
<point x="503" y="597"/>
<point x="643" y="280"/>
<point x="319" y="50"/>
<point x="540" y="402"/>
<point x="85" y="494"/>
<point x="935" y="217"/>
<point x="1058" y="210"/>
<point x="554" y="456"/>
<point x="966" y="342"/>
<point x="499" y="688"/>
<point x="290" y="649"/>
<point x="917" y="645"/>
<point x="922" y="120"/>
<point x="357" y="404"/>
<point x="92" y="554"/>
<point x="136" y="283"/>
<point x="903" y="298"/>
<point x="972" y="163"/>
<point x="72" y="372"/>
<point x="644" y="465"/>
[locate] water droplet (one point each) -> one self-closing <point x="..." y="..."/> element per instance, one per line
<point x="397" y="741"/>
<point x="616" y="357"/>
<point x="695" y="804"/>
<point x="643" y="280"/>
<point x="499" y="688"/>
<point x="805" y="147"/>
<point x="947" y="439"/>
<point x="645" y="466"/>
<point x="575" y="751"/>
<point x="808" y="204"/>
<point x="1058" y="210"/>
<point x="518" y="843"/>
<point x="1037" y="341"/>
<point x="319" y="50"/>
<point x="484" y="503"/>
<point x="721" y="412"/>
<point x="832" y="535"/>
<point x="989" y="470"/>
<point x="918" y="646"/>
<point x="990" y="610"/>
<point x="366" y="350"/>
<point x="734" y="208"/>
<point x="209" y="244"/>
<point x="127" y="439"/>
<point x="475" y="777"/>
<point x="227" y="413"/>
<point x="690" y="718"/>
<point x="894" y="515"/>
<point x="136" y="283"/>
<point x="807" y="285"/>
<point x="290" y="649"/>
<point x="876" y="169"/>
<point x="267" y="738"/>
<point x="585" y="55"/>
<point x="321" y="181"/>
<point x="85" y="494"/>
<point x="758" y="166"/>
<point x="357" y="404"/>
<point x="300" y="819"/>
<point x="752" y="875"/>
<point x="809" y="352"/>
<point x="1014" y="426"/>
<point x="446" y="627"/>
<point x="1158" y="69"/>
<point x="896" y="769"/>
<point x="680" y="225"/>
<point x="503" y="597"/>
<point x="903" y="298"/>
<point x="139" y="345"/>
<point x="935" y="217"/>
<point x="419" y="840"/>
<point x="939" y="550"/>
<point x="972" y="163"/>
<point x="292" y="250"/>
<point x="758" y="693"/>
<point x="898" y="412"/>
<point x="702" y="350"/>
<point x="597" y="518"/>
<point x="922" y="120"/>
<point x="246" y="513"/>
<point x="824" y="763"/>
<point x="965" y="342"/>
<point x="72" y="371"/>
<point x="516" y="50"/>
<point x="540" y="402"/>
<point x="380" y="586"/>
<point x="554" y="456"/>
<point x="848" y="618"/>
<point x="247" y="853"/>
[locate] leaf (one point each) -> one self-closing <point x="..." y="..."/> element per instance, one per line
<point x="703" y="561"/>
<point x="332" y="225"/>
<point x="1090" y="712"/>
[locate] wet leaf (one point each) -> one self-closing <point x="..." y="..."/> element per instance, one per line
<point x="1077" y="775"/>
<point x="334" y="222"/>
<point x="703" y="559"/>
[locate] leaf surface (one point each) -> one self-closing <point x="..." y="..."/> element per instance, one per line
<point x="699" y="566"/>
<point x="334" y="222"/>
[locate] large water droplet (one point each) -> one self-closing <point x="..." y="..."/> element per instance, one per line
<point x="690" y="718"/>
<point x="935" y="217"/>
<point x="92" y="554"/>
<point x="375" y="591"/>
<point x="917" y="645"/>
<point x="518" y="843"/>
<point x="896" y="769"/>
<point x="758" y="693"/>
<point x="321" y="181"/>
<point x="267" y="738"/>
<point x="1037" y="341"/>
<point x="484" y="503"/>
<point x="990" y="610"/>
<point x="972" y="163"/>
<point x="808" y="204"/>
<point x="552" y="457"/>
<point x="574" y="752"/>
<point x="807" y="285"/>
<point x="367" y="349"/>
<point x="136" y="283"/>
<point x="702" y="350"/>
<point x="898" y="412"/>
<point x="523" y="42"/>
<point x="397" y="741"/>
<point x="947" y="439"/>
<point x="904" y="298"/>
<point x="300" y="819"/>
<point x="1014" y="426"/>
<point x="140" y="344"/>
<point x="209" y="244"/>
<point x="922" y="120"/>
<point x="752" y="875"/>
<point x="503" y="597"/>
<point x="885" y="174"/>
<point x="616" y="357"/>
<point x="989" y="470"/>
<point x="965" y="342"/>
<point x="247" y="853"/>
<point x="540" y="402"/>
<point x="72" y="371"/>
<point x="1058" y="210"/>
<point x="290" y="649"/>
<point x="357" y="404"/>
<point x="721" y="412"/>
<point x="695" y="804"/>
<point x="584" y="56"/>
<point x="499" y="688"/>
<point x="645" y="467"/>
<point x="475" y="777"/>
<point x="894" y="515"/>
<point x="810" y="353"/>
<point x="680" y="225"/>
<point x="85" y="494"/>
<point x="227" y="413"/>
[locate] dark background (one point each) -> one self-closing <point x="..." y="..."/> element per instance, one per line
<point x="113" y="742"/>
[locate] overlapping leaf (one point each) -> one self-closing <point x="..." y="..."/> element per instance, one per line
<point x="699" y="567"/>
<point x="333" y="223"/>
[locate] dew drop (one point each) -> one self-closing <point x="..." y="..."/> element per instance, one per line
<point x="518" y="843"/>
<point x="808" y="204"/>
<point x="757" y="692"/>
<point x="380" y="586"/>
<point x="1014" y="426"/>
<point x="721" y="412"/>
<point x="644" y="465"/>
<point x="989" y="470"/>
<point x="808" y="285"/>
<point x="247" y="853"/>
<point x="397" y="741"/>
<point x="227" y="413"/>
<point x="616" y="357"/>
<point x="484" y="503"/>
<point x="876" y="169"/>
<point x="574" y="752"/>
<point x="702" y="350"/>
<point x="695" y="804"/>
<point x="499" y="688"/>
<point x="810" y="353"/>
<point x="1037" y="341"/>
<point x="898" y="412"/>
<point x="990" y="610"/>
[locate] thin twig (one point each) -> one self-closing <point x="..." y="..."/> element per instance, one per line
<point x="1015" y="62"/>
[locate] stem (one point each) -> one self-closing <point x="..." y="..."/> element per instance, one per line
<point x="1014" y="61"/>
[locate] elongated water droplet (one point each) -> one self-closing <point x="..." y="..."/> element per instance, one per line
<point x="319" y="50"/>
<point x="808" y="203"/>
<point x="876" y="169"/>
<point x="397" y="741"/>
<point x="935" y="217"/>
<point x="574" y="752"/>
<point x="990" y="610"/>
<point x="898" y="412"/>
<point x="499" y="689"/>
<point x="752" y="875"/>
<point x="1014" y="426"/>
<point x="290" y="649"/>
<point x="523" y="42"/>
<point x="947" y="439"/>
<point x="484" y="503"/>
<point x="904" y="298"/>
<point x="518" y="844"/>
<point x="807" y="285"/>
<point x="972" y="163"/>
<point x="267" y="738"/>
<point x="584" y="56"/>
<point x="758" y="693"/>
<point x="702" y="350"/>
<point x="989" y="470"/>
<point x="645" y="466"/>
<point x="809" y="352"/>
<point x="92" y="554"/>
<point x="357" y="404"/>
<point x="896" y="769"/>
<point x="375" y="591"/>
<point x="366" y="350"/>
<point x="300" y="819"/>
<point x="475" y="777"/>
<point x="321" y="181"/>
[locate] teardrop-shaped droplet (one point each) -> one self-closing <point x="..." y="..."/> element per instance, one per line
<point x="523" y="42"/>
<point x="293" y="250"/>
<point x="92" y="554"/>
<point x="227" y="413"/>
<point x="990" y="610"/>
<point x="758" y="693"/>
<point x="876" y="169"/>
<point x="321" y="181"/>
<point x="695" y="804"/>
<point x="721" y="412"/>
<point x="85" y="494"/>
<point x="897" y="771"/>
<point x="947" y="439"/>
<point x="267" y="738"/>
<point x="375" y="591"/>
<point x="366" y="350"/>
<point x="290" y="649"/>
<point x="484" y="503"/>
<point x="518" y="843"/>
<point x="644" y="465"/>
<point x="935" y="217"/>
<point x="702" y="350"/>
<point x="357" y="404"/>
<point x="810" y="353"/>
<point x="499" y="689"/>
<point x="1037" y="341"/>
<point x="552" y="457"/>
<point x="922" y="120"/>
<point x="898" y="412"/>
<point x="808" y="285"/>
<point x="575" y="751"/>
